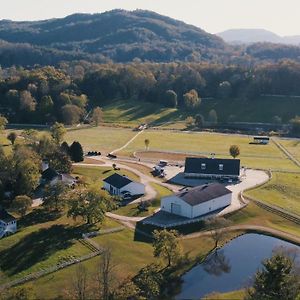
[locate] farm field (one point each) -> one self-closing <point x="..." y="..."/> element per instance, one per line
<point x="283" y="190"/>
<point x="293" y="146"/>
<point x="255" y="156"/>
<point x="103" y="139"/>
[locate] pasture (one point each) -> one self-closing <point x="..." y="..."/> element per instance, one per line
<point x="103" y="139"/>
<point x="202" y="143"/>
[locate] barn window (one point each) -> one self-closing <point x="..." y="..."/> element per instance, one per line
<point x="203" y="166"/>
<point x="221" y="167"/>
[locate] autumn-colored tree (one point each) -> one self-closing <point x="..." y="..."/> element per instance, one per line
<point x="97" y="116"/>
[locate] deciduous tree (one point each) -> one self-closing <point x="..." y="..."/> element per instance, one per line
<point x="234" y="151"/>
<point x="166" y="246"/>
<point x="21" y="204"/>
<point x="58" y="132"/>
<point x="97" y="116"/>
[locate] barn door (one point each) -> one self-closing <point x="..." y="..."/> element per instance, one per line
<point x="175" y="209"/>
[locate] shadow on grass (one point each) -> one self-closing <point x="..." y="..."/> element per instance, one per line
<point x="38" y="216"/>
<point x="37" y="247"/>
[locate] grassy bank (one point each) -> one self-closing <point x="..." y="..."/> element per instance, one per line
<point x="282" y="190"/>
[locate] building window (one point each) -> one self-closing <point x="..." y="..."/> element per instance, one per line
<point x="203" y="166"/>
<point x="221" y="167"/>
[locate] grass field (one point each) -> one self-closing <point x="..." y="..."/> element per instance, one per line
<point x="293" y="146"/>
<point x="255" y="156"/>
<point x="95" y="175"/>
<point x="43" y="240"/>
<point x="103" y="139"/>
<point x="283" y="190"/>
<point x="133" y="113"/>
<point x="260" y="109"/>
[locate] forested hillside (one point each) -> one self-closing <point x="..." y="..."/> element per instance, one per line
<point x="117" y="35"/>
<point x="124" y="36"/>
<point x="68" y="92"/>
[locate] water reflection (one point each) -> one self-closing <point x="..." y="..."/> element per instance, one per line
<point x="217" y="263"/>
<point x="233" y="266"/>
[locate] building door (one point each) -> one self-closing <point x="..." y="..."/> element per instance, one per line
<point x="175" y="209"/>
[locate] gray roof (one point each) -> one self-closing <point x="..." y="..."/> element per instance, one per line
<point x="5" y="216"/>
<point x="230" y="166"/>
<point x="203" y="193"/>
<point x="117" y="181"/>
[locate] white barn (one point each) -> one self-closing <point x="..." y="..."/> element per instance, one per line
<point x="117" y="184"/>
<point x="8" y="224"/>
<point x="198" y="201"/>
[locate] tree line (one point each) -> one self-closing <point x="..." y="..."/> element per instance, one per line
<point x="65" y="94"/>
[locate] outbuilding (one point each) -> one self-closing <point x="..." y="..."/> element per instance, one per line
<point x="198" y="201"/>
<point x="118" y="185"/>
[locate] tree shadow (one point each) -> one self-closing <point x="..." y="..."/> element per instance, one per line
<point x="38" y="216"/>
<point x="37" y="247"/>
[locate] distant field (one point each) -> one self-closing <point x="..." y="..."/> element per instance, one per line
<point x="137" y="112"/>
<point x="293" y="146"/>
<point x="255" y="156"/>
<point x="283" y="190"/>
<point x="260" y="109"/>
<point x="103" y="139"/>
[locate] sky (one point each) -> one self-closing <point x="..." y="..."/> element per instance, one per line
<point x="281" y="17"/>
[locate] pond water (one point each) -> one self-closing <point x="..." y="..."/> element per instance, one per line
<point x="232" y="267"/>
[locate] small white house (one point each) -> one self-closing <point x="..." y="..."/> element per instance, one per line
<point x="117" y="185"/>
<point x="198" y="201"/>
<point x="8" y="224"/>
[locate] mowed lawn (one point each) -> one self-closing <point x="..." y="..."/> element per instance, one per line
<point x="103" y="139"/>
<point x="42" y="240"/>
<point x="95" y="174"/>
<point x="254" y="156"/>
<point x="283" y="190"/>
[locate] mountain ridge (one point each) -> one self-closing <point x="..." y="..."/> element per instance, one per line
<point x="256" y="35"/>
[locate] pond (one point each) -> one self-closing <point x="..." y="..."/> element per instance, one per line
<point x="232" y="267"/>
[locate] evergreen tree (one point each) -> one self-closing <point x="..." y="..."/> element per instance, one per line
<point x="76" y="152"/>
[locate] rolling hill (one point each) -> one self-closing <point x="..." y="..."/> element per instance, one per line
<point x="116" y="35"/>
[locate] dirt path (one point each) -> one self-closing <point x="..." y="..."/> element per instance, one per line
<point x="131" y="140"/>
